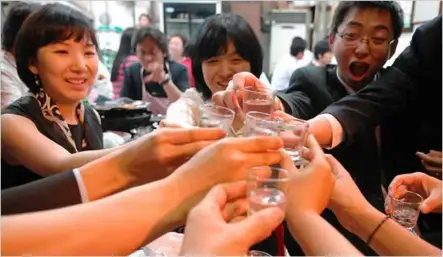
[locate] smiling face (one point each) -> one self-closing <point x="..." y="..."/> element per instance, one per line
<point x="219" y="70"/>
<point x="148" y="52"/>
<point x="359" y="60"/>
<point x="67" y="69"/>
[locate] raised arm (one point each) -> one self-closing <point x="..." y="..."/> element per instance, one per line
<point x="23" y="144"/>
<point x="357" y="215"/>
<point x="142" y="213"/>
<point x="112" y="173"/>
<point x="308" y="195"/>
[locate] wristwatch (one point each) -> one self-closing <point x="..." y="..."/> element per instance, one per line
<point x="166" y="80"/>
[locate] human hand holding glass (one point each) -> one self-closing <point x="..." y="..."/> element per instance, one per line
<point x="214" y="116"/>
<point x="261" y="124"/>
<point x="404" y="208"/>
<point x="266" y="188"/>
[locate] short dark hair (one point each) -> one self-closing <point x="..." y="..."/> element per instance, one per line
<point x="153" y="33"/>
<point x="393" y="7"/>
<point x="212" y="40"/>
<point x="145" y="15"/>
<point x="321" y="47"/>
<point x="13" y="22"/>
<point x="52" y="23"/>
<point x="298" y="45"/>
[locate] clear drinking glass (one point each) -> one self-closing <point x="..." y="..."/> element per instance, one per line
<point x="258" y="100"/>
<point x="266" y="187"/>
<point x="214" y="116"/>
<point x="404" y="209"/>
<point x="294" y="134"/>
<point x="262" y="124"/>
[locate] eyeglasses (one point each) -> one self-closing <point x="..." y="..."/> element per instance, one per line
<point x="354" y="39"/>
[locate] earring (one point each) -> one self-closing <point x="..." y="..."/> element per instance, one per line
<point x="37" y="82"/>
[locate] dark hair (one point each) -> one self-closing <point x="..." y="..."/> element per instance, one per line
<point x="212" y="40"/>
<point x="144" y="15"/>
<point x="52" y="23"/>
<point x="298" y="45"/>
<point x="321" y="48"/>
<point x="391" y="6"/>
<point x="13" y="22"/>
<point x="153" y="33"/>
<point x="182" y="38"/>
<point x="125" y="49"/>
<point x="188" y="50"/>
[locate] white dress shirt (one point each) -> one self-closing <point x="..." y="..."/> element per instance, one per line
<point x="284" y="69"/>
<point x="12" y="86"/>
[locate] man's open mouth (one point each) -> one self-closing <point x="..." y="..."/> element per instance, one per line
<point x="358" y="69"/>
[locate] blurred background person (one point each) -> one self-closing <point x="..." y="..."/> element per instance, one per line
<point x="298" y="57"/>
<point x="156" y="78"/>
<point x="144" y="20"/>
<point x="322" y="53"/>
<point x="12" y="87"/>
<point x="125" y="57"/>
<point x="180" y="51"/>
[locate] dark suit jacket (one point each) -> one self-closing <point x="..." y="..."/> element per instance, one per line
<point x="51" y="192"/>
<point x="132" y="84"/>
<point x="311" y="90"/>
<point x="414" y="83"/>
<point x="307" y="97"/>
<point x="409" y="94"/>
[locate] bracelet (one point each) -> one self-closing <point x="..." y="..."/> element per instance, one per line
<point x="376" y="229"/>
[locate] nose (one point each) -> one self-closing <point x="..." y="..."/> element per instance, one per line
<point x="78" y="62"/>
<point x="362" y="49"/>
<point x="225" y="70"/>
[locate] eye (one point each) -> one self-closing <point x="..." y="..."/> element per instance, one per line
<point x="350" y="36"/>
<point x="61" y="52"/>
<point x="90" y="53"/>
<point x="378" y="40"/>
<point x="212" y="61"/>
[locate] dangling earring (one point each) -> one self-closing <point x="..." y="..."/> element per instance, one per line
<point x="37" y="82"/>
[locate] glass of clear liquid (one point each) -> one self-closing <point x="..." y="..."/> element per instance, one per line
<point x="294" y="134"/>
<point x="404" y="208"/>
<point x="266" y="187"/>
<point x="214" y="116"/>
<point x="258" y="100"/>
<point x="262" y="124"/>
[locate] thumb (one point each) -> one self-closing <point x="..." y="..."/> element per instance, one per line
<point x="432" y="202"/>
<point x="260" y="225"/>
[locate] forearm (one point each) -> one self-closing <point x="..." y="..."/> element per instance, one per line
<point x="391" y="238"/>
<point x="172" y="91"/>
<point x="72" y="161"/>
<point x="39" y="195"/>
<point x="317" y="237"/>
<point x="140" y="214"/>
<point x="322" y="130"/>
<point x="111" y="174"/>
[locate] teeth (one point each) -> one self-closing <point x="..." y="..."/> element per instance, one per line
<point x="76" y="81"/>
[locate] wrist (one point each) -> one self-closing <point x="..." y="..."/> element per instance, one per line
<point x="364" y="222"/>
<point x="103" y="178"/>
<point x="188" y="194"/>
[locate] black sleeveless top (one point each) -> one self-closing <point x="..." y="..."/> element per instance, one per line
<point x="28" y="107"/>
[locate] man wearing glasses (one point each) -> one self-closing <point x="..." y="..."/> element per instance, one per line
<point x="363" y="37"/>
